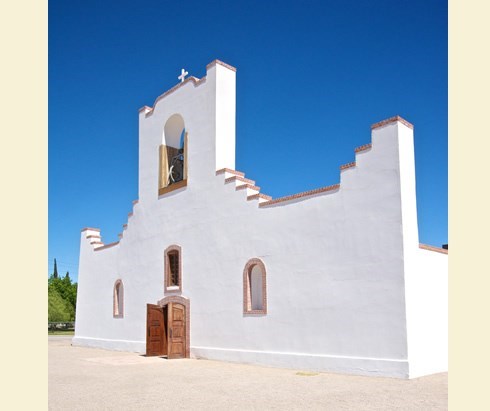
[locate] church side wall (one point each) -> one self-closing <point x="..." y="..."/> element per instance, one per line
<point x="427" y="313"/>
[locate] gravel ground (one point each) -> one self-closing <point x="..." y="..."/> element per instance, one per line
<point x="95" y="379"/>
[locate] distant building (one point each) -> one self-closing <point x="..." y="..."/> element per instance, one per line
<point x="207" y="266"/>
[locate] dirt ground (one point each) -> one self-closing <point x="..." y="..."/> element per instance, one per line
<point x="95" y="379"/>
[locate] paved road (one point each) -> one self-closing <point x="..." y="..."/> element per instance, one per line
<point x="94" y="379"/>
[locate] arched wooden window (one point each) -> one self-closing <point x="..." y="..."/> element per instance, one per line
<point x="254" y="287"/>
<point x="173" y="269"/>
<point x="118" y="303"/>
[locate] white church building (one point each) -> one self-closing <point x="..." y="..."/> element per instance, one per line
<point x="207" y="266"/>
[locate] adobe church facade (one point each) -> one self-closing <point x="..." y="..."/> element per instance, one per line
<point x="207" y="266"/>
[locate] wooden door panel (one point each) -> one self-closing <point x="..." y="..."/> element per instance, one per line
<point x="176" y="330"/>
<point x="178" y="350"/>
<point x="155" y="331"/>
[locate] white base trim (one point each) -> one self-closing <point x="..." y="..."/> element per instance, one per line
<point x="114" y="345"/>
<point x="381" y="367"/>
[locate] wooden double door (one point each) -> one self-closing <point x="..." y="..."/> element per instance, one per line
<point x="165" y="334"/>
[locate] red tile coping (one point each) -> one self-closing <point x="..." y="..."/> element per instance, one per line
<point x="238" y="178"/>
<point x="348" y="165"/>
<point x="221" y="63"/>
<point x="107" y="246"/>
<point x="89" y="228"/>
<point x="93" y="236"/>
<point x="363" y="148"/>
<point x="229" y="170"/>
<point x="300" y="195"/>
<point x="135" y="202"/>
<point x="130" y="214"/>
<point x="259" y="195"/>
<point x="392" y="120"/>
<point x="432" y="248"/>
<point x="125" y="225"/>
<point x="244" y="186"/>
<point x="96" y="242"/>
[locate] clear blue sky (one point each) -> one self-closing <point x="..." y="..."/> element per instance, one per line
<point x="317" y="72"/>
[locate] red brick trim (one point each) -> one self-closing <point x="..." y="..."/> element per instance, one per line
<point x="363" y="148"/>
<point x="259" y="195"/>
<point x="432" y="248"/>
<point x="229" y="170"/>
<point x="239" y="178"/>
<point x="348" y="165"/>
<point x="300" y="195"/>
<point x="247" y="300"/>
<point x="166" y="284"/>
<point x="106" y="246"/>
<point x="89" y="228"/>
<point x="116" y="298"/>
<point x="221" y="63"/>
<point x="187" y="304"/>
<point x="392" y="120"/>
<point x="244" y="186"/>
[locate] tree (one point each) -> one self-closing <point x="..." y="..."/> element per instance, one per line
<point x="62" y="289"/>
<point x="58" y="308"/>
<point x="55" y="272"/>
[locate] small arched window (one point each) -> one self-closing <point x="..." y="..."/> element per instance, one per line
<point x="118" y="303"/>
<point x="254" y="287"/>
<point x="173" y="268"/>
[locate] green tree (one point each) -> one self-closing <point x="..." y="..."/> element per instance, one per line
<point x="55" y="272"/>
<point x="58" y="308"/>
<point x="66" y="291"/>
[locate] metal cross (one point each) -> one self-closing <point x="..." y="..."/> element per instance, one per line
<point x="182" y="75"/>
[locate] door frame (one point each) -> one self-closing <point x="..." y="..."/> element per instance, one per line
<point x="187" y="304"/>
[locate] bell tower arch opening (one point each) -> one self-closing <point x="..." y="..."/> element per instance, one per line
<point x="173" y="155"/>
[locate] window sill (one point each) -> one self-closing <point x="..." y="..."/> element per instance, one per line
<point x="255" y="312"/>
<point x="172" y="187"/>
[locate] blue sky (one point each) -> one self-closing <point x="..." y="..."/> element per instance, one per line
<point x="314" y="72"/>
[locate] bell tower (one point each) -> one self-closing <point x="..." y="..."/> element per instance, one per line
<point x="189" y="133"/>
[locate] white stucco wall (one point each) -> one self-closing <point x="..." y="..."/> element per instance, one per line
<point x="334" y="261"/>
<point x="427" y="313"/>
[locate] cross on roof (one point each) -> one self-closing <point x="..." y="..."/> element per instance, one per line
<point x="183" y="73"/>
